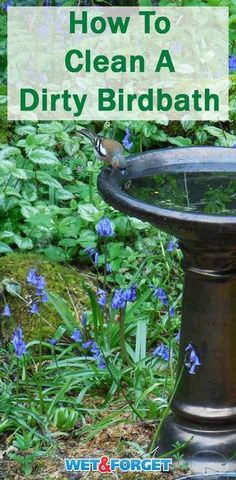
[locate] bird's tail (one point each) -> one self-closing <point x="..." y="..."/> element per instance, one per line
<point x="87" y="133"/>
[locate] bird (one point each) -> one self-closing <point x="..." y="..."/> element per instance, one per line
<point x="109" y="150"/>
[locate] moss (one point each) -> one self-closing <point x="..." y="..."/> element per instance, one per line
<point x="60" y="280"/>
<point x="5" y="126"/>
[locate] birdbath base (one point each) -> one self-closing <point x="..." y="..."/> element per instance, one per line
<point x="191" y="194"/>
<point x="208" y="448"/>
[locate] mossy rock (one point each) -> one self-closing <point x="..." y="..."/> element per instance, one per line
<point x="60" y="280"/>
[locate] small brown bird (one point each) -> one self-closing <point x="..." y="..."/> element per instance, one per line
<point x="109" y="150"/>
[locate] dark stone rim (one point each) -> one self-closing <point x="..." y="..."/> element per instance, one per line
<point x="214" y="159"/>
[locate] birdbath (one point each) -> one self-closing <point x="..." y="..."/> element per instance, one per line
<point x="191" y="194"/>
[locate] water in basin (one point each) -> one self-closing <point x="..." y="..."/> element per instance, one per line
<point x="211" y="193"/>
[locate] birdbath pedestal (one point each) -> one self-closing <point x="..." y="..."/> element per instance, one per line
<point x="191" y="194"/>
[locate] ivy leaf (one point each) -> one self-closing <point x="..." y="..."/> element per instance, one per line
<point x="43" y="157"/>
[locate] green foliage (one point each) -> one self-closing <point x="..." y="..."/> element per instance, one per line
<point x="62" y="280"/>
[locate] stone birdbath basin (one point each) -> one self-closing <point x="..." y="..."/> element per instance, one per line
<point x="191" y="194"/>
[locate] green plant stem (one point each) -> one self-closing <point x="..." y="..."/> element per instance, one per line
<point x="27" y="384"/>
<point x="166" y="413"/>
<point x="91" y="187"/>
<point x="124" y="352"/>
<point x="40" y="385"/>
<point x="119" y="385"/>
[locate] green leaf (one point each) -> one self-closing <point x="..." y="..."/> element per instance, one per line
<point x="180" y="141"/>
<point x="89" y="212"/>
<point x="63" y="310"/>
<point x="23" y="243"/>
<point x="24" y="130"/>
<point x="87" y="238"/>
<point x="4" y="248"/>
<point x="46" y="179"/>
<point x="12" y="287"/>
<point x="43" y="157"/>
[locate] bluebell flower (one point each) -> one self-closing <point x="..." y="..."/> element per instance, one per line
<point x="232" y="63"/>
<point x="130" y="294"/>
<point x="36" y="280"/>
<point x="105" y="228"/>
<point x="118" y="300"/>
<point x="53" y="341"/>
<point x="76" y="336"/>
<point x="44" y="297"/>
<point x="34" y="308"/>
<point x="162" y="351"/>
<point x="92" y="253"/>
<point x="102" y="297"/>
<point x="172" y="311"/>
<point x="177" y="336"/>
<point x="18" y="342"/>
<point x="6" y="311"/>
<point x="87" y="344"/>
<point x="193" y="360"/>
<point x="161" y="295"/>
<point x="108" y="268"/>
<point x="171" y="245"/>
<point x="127" y="140"/>
<point x="32" y="276"/>
<point x="8" y="3"/>
<point x="97" y="355"/>
<point x="84" y="319"/>
<point x="101" y="362"/>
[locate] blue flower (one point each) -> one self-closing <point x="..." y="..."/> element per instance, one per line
<point x="232" y="63"/>
<point x="101" y="362"/>
<point x="6" y="311"/>
<point x="87" y="344"/>
<point x="84" y="319"/>
<point x="53" y="341"/>
<point x="118" y="300"/>
<point x="108" y="268"/>
<point x="8" y="3"/>
<point x="105" y="228"/>
<point x="130" y="294"/>
<point x="127" y="140"/>
<point x="172" y="311"/>
<point x="32" y="276"/>
<point x="122" y="296"/>
<point x="171" y="245"/>
<point x="102" y="297"/>
<point x="18" y="342"/>
<point x="92" y="253"/>
<point x="37" y="281"/>
<point x="162" y="351"/>
<point x="34" y="308"/>
<point x="177" y="336"/>
<point x="161" y="295"/>
<point x="44" y="297"/>
<point x="97" y="355"/>
<point x="193" y="360"/>
<point x="76" y="336"/>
